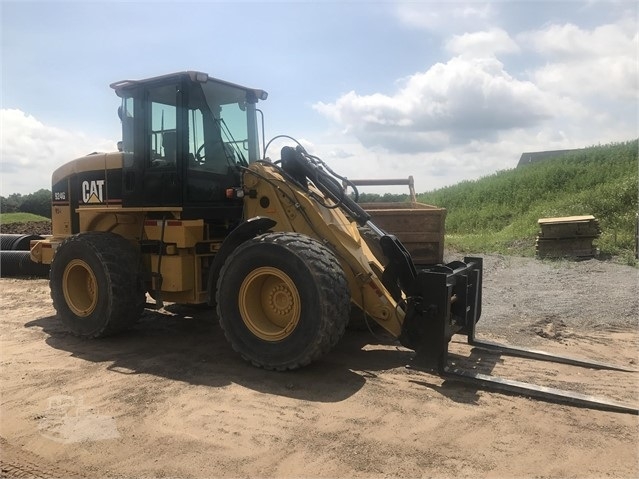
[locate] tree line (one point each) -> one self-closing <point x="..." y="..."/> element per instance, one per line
<point x="38" y="203"/>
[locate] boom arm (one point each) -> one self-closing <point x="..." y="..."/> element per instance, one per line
<point x="303" y="167"/>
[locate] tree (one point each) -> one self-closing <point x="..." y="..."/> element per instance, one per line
<point x="10" y="204"/>
<point x="38" y="203"/>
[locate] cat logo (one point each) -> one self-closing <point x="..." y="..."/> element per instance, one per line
<point x="92" y="191"/>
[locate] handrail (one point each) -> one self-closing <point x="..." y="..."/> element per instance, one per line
<point x="385" y="181"/>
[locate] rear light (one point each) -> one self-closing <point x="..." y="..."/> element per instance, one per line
<point x="232" y="193"/>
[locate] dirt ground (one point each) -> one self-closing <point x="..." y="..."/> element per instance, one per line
<point x="171" y="399"/>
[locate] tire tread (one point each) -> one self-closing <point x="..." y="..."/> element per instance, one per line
<point x="334" y="297"/>
<point x="119" y="259"/>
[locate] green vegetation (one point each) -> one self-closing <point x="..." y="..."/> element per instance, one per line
<point x="499" y="213"/>
<point x="6" y="218"/>
<point x="385" y="198"/>
<point x="38" y="203"/>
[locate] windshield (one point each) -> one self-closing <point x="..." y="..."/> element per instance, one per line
<point x="228" y="106"/>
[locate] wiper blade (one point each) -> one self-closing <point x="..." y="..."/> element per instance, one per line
<point x="230" y="140"/>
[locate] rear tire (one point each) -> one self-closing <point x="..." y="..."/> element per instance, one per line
<point x="283" y="300"/>
<point x="94" y="284"/>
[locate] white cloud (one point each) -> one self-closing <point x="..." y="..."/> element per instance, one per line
<point x="452" y="103"/>
<point x="482" y="44"/>
<point x="30" y="151"/>
<point x="430" y="170"/>
<point x="601" y="62"/>
<point x="570" y="42"/>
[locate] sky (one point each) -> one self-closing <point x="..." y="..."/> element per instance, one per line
<point x="442" y="91"/>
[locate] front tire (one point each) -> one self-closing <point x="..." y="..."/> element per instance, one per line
<point x="94" y="284"/>
<point x="283" y="300"/>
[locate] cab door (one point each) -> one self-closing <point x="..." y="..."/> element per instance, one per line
<point x="152" y="172"/>
<point x="211" y="168"/>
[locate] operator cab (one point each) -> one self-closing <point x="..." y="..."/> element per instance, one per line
<point x="185" y="138"/>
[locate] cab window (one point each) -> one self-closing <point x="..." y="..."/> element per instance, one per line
<point x="162" y="139"/>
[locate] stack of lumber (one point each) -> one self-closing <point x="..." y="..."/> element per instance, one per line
<point x="567" y="237"/>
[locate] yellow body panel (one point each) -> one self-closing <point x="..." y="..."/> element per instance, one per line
<point x="42" y="251"/>
<point x="97" y="161"/>
<point x="120" y="221"/>
<point x="61" y="220"/>
<point x="178" y="271"/>
<point x="183" y="233"/>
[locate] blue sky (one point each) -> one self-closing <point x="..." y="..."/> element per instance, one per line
<point x="443" y="91"/>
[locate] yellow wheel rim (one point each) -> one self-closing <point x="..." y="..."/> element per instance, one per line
<point x="80" y="288"/>
<point x="269" y="304"/>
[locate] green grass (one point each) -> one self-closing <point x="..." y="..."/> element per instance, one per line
<point x="499" y="213"/>
<point x="6" y="218"/>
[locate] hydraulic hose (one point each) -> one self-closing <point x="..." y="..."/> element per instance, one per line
<point x="297" y="163"/>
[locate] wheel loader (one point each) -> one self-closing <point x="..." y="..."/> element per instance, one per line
<point x="190" y="210"/>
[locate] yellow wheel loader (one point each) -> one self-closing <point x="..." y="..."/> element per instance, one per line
<point x="189" y="210"/>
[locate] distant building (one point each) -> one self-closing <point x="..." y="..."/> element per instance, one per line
<point x="534" y="157"/>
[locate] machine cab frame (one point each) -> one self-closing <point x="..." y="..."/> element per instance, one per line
<point x="185" y="138"/>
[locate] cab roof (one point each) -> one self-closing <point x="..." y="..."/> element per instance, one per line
<point x="194" y="76"/>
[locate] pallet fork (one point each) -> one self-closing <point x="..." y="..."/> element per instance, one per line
<point x="455" y="308"/>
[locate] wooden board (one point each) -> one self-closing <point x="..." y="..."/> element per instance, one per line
<point x="573" y="227"/>
<point x="566" y="219"/>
